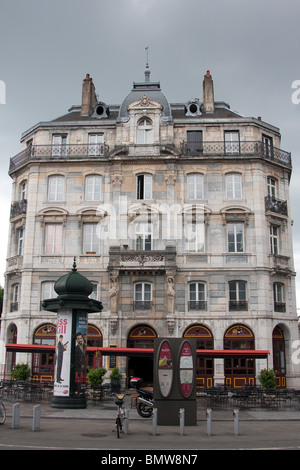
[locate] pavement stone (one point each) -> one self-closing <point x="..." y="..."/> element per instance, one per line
<point x="93" y="428"/>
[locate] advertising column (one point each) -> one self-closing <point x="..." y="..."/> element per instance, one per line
<point x="71" y="359"/>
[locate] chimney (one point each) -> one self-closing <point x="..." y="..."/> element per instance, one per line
<point x="208" y="94"/>
<point x="89" y="97"/>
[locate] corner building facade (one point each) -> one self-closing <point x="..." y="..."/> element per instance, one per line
<point x="177" y="213"/>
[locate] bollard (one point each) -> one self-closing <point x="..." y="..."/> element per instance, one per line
<point x="126" y="427"/>
<point x="36" y="418"/>
<point x="236" y="421"/>
<point x="154" y="422"/>
<point x="209" y="419"/>
<point x="181" y="417"/>
<point x="16" y="416"/>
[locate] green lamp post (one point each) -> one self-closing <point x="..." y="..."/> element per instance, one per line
<point x="72" y="306"/>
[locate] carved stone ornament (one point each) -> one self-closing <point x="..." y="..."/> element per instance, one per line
<point x="144" y="101"/>
<point x="117" y="179"/>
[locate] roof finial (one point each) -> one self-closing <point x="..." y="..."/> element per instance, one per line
<point x="147" y="71"/>
<point x="74" y="265"/>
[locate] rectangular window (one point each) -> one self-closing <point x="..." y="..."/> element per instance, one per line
<point x="194" y="142"/>
<point x="93" y="188"/>
<point x="274" y="239"/>
<point x="278" y="295"/>
<point x="56" y="187"/>
<point x="233" y="186"/>
<point x="272" y="188"/>
<point x="144" y="187"/>
<point x="90" y="238"/>
<point x="196" y="237"/>
<point x="143" y="296"/>
<point x="20" y="240"/>
<point x="232" y="142"/>
<point x="195" y="186"/>
<point x="235" y="238"/>
<point x="96" y="145"/>
<point x="237" y="295"/>
<point x="53" y="241"/>
<point x="59" y="145"/>
<point x="48" y="291"/>
<point x="197" y="296"/>
<point x="268" y="145"/>
<point x="143" y="236"/>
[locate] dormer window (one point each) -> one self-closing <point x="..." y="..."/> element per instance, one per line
<point x="145" y="131"/>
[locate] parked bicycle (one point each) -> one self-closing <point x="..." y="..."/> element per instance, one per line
<point x="119" y="401"/>
<point x="2" y="413"/>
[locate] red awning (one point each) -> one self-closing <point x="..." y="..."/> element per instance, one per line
<point x="143" y="352"/>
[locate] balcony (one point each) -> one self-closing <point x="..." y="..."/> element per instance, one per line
<point x="142" y="305"/>
<point x="238" y="305"/>
<point x="276" y="205"/>
<point x="94" y="151"/>
<point x="279" y="306"/>
<point x="18" y="208"/>
<point x="231" y="149"/>
<point x="152" y="262"/>
<point x="57" y="152"/>
<point x="197" y="304"/>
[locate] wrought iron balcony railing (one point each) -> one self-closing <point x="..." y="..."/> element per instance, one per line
<point x="205" y="149"/>
<point x="57" y="152"/>
<point x="276" y="205"/>
<point x="238" y="305"/>
<point x="197" y="304"/>
<point x="279" y="306"/>
<point x="244" y="149"/>
<point x="142" y="304"/>
<point x="18" y="208"/>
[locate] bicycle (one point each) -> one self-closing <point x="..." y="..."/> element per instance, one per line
<point x="119" y="401"/>
<point x="2" y="413"/>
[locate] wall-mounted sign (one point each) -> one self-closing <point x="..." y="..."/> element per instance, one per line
<point x="186" y="369"/>
<point x="165" y="368"/>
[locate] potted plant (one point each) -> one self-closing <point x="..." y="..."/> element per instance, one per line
<point x="95" y="376"/>
<point x="21" y="372"/>
<point x="115" y="380"/>
<point x="267" y="379"/>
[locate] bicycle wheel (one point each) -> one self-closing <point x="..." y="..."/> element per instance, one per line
<point x="2" y="413"/>
<point x="118" y="426"/>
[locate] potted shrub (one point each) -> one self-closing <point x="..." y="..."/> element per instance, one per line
<point x="21" y="372"/>
<point x="115" y="380"/>
<point x="267" y="379"/>
<point x="95" y="376"/>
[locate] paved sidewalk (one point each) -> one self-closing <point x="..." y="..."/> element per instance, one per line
<point x="93" y="428"/>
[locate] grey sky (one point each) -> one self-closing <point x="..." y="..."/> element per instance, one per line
<point x="48" y="46"/>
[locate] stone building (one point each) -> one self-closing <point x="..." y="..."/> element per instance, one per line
<point x="179" y="215"/>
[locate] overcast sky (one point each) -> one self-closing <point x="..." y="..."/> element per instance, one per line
<point x="252" y="49"/>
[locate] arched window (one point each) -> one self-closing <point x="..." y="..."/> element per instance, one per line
<point x="239" y="370"/>
<point x="205" y="365"/>
<point x="145" y="131"/>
